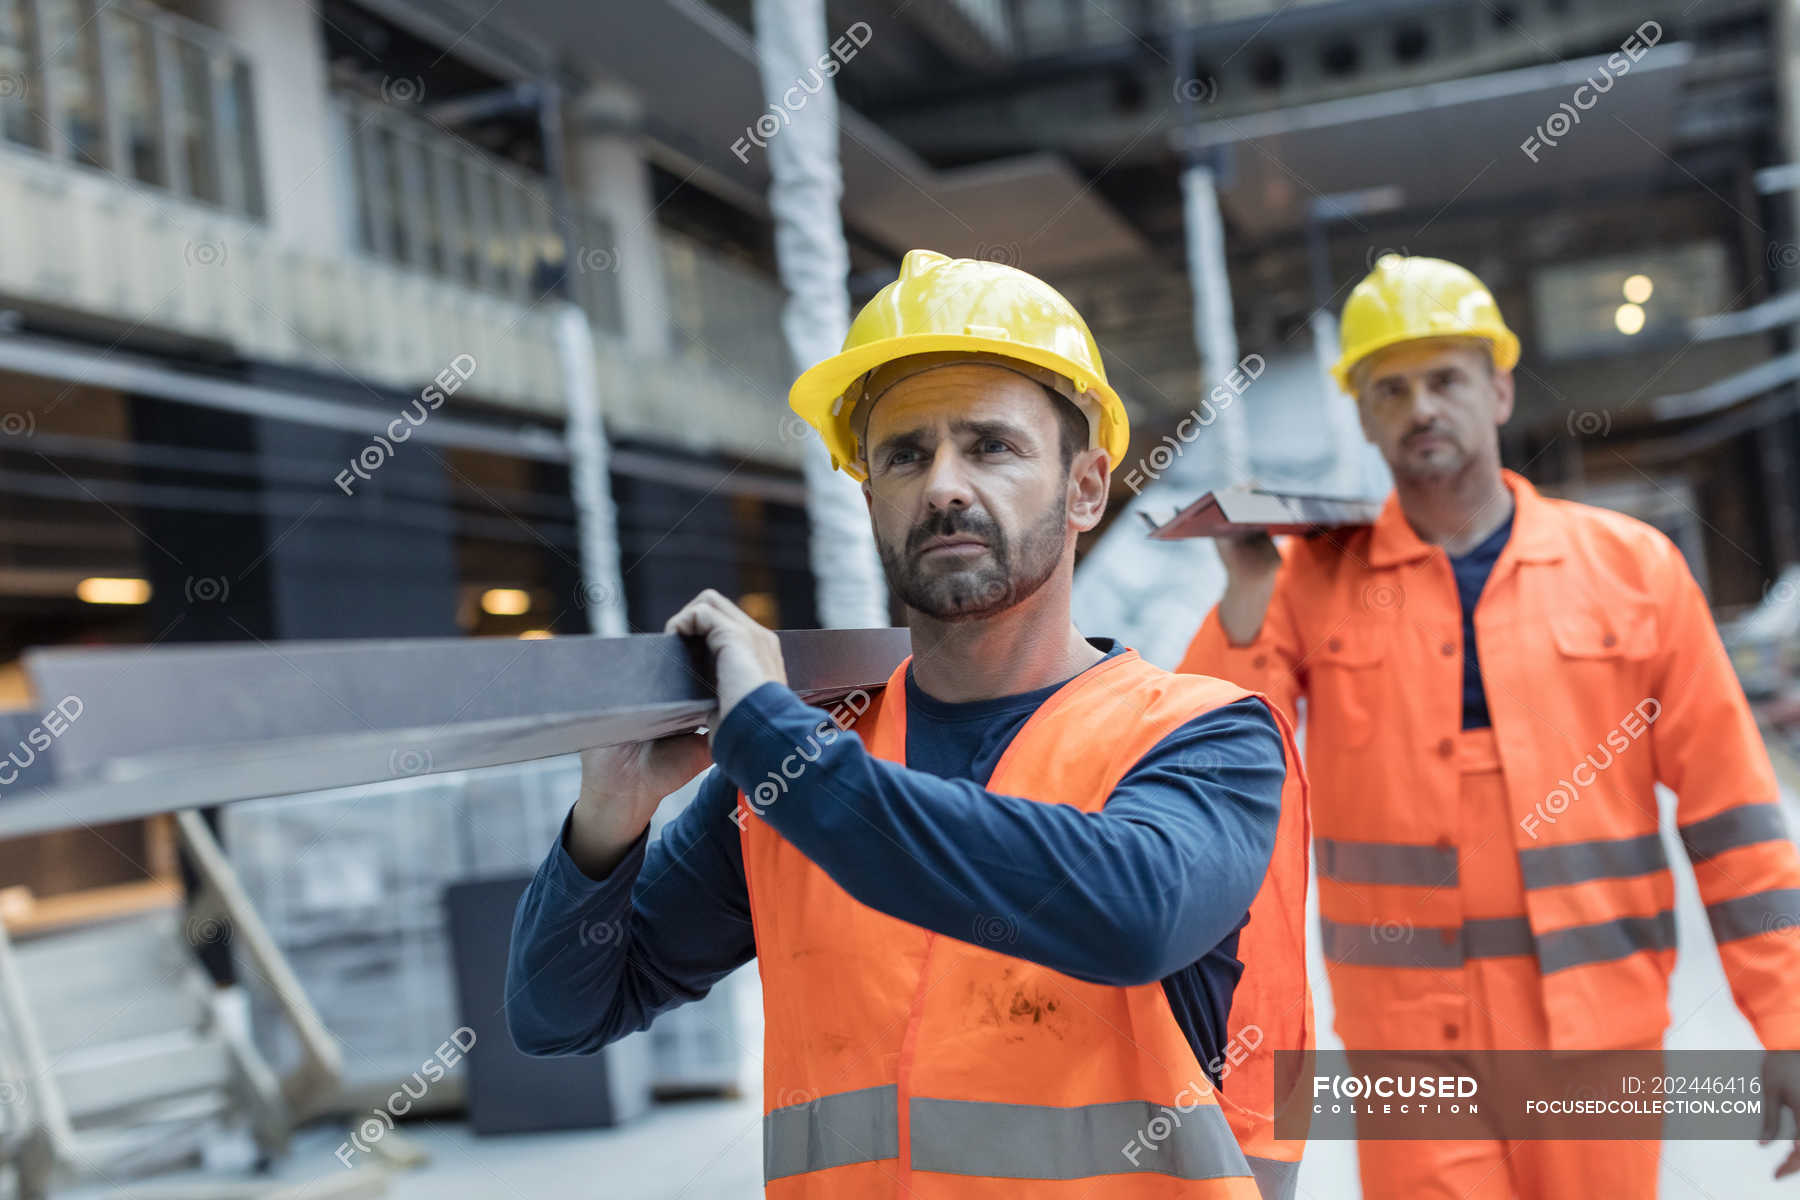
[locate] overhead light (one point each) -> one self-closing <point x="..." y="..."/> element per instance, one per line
<point x="1638" y="288"/>
<point x="1629" y="318"/>
<point x="101" y="589"/>
<point x="534" y="635"/>
<point x="505" y="602"/>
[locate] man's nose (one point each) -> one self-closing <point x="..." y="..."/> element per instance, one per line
<point x="947" y="479"/>
<point x="1422" y="404"/>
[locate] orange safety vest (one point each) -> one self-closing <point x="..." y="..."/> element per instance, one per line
<point x="900" y="1062"/>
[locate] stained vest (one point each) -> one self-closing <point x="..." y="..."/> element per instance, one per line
<point x="902" y="1062"/>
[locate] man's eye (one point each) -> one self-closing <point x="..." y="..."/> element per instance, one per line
<point x="901" y="457"/>
<point x="994" y="446"/>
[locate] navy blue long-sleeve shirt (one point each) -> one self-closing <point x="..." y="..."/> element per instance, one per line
<point x="1154" y="886"/>
<point x="1472" y="571"/>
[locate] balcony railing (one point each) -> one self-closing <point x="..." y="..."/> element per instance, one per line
<point x="1048" y="26"/>
<point x="146" y="95"/>
<point x="83" y="240"/>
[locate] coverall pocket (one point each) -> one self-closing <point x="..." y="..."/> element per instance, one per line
<point x="1342" y="696"/>
<point x="1589" y="633"/>
<point x="1401" y="1009"/>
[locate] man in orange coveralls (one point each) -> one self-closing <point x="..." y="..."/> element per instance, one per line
<point x="1485" y="820"/>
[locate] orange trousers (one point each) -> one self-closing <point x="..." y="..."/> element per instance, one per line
<point x="1502" y="1009"/>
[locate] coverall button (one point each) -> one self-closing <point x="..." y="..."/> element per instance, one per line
<point x="1446" y="747"/>
<point x="1448" y="648"/>
<point x="1334" y="645"/>
<point x="1260" y="661"/>
<point x="1444" y="843"/>
<point x="1450" y="1029"/>
<point x="1447" y="936"/>
<point x="1610" y="640"/>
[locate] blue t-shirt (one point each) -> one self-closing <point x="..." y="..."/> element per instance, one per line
<point x="1472" y="571"/>
<point x="1155" y="886"/>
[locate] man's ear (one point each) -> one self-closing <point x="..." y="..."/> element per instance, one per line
<point x="1090" y="478"/>
<point x="1503" y="397"/>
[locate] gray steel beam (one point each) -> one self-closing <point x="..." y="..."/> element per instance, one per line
<point x="143" y="731"/>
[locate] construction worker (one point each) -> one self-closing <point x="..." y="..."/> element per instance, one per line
<point x="1495" y="681"/>
<point x="1000" y="914"/>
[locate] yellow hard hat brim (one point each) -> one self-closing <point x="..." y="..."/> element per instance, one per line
<point x="820" y="387"/>
<point x="1504" y="342"/>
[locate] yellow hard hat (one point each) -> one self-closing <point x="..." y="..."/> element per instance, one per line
<point x="1405" y="299"/>
<point x="970" y="306"/>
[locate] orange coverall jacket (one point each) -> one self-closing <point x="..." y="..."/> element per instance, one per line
<point x="1604" y="675"/>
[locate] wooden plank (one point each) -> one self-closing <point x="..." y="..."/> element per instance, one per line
<point x="31" y="916"/>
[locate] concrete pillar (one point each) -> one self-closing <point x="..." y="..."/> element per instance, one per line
<point x="806" y="188"/>
<point x="609" y="179"/>
<point x="295" y="132"/>
<point x="1215" y="327"/>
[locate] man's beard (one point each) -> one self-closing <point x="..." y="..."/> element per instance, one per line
<point x="1005" y="576"/>
<point x="1450" y="459"/>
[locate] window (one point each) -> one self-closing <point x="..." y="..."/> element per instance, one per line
<point x="74" y="79"/>
<point x="427" y="200"/>
<point x="20" y="119"/>
<point x="131" y="54"/>
<point x="1621" y="303"/>
<point x="123" y="87"/>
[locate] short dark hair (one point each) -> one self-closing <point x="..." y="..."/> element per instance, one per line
<point x="1071" y="426"/>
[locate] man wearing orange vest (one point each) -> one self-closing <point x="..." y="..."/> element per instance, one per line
<point x="1000" y="915"/>
<point x="1495" y="683"/>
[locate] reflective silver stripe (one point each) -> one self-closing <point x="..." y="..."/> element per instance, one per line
<point x="1398" y="945"/>
<point x="1605" y="941"/>
<point x="832" y="1131"/>
<point x="1385" y="862"/>
<point x="1772" y="911"/>
<point x="1027" y="1141"/>
<point x="1276" y="1180"/>
<point x="1602" y="858"/>
<point x="1498" y="937"/>
<point x="1744" y="825"/>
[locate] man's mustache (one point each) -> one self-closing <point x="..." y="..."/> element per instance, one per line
<point x="951" y="522"/>
<point x="1427" y="431"/>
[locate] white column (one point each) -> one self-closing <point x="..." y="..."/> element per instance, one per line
<point x="806" y="188"/>
<point x="1215" y="329"/>
<point x="295" y="134"/>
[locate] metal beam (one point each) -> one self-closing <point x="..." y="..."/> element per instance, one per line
<point x="144" y="731"/>
<point x="1238" y="510"/>
<point x="1733" y="389"/>
<point x="120" y="370"/>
